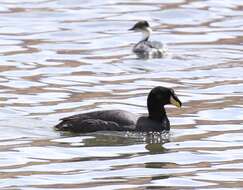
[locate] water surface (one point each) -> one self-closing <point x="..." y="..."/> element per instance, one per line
<point x="64" y="57"/>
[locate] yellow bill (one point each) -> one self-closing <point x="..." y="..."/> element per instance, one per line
<point x="175" y="102"/>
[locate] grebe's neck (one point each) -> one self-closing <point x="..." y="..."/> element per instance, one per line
<point x="146" y="34"/>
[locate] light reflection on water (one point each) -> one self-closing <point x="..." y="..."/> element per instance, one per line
<point x="60" y="58"/>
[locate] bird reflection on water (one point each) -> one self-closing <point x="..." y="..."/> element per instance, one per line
<point x="153" y="140"/>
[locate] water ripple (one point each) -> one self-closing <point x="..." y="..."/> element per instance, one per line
<point x="64" y="57"/>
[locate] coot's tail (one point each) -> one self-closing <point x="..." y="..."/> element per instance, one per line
<point x="62" y="126"/>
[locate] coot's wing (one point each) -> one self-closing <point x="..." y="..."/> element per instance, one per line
<point x="111" y="120"/>
<point x="87" y="125"/>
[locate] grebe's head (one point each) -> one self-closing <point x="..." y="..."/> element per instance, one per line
<point x="141" y="26"/>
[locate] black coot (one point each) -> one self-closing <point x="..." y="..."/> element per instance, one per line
<point x="119" y="120"/>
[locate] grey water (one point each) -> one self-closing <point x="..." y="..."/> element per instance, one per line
<point x="62" y="57"/>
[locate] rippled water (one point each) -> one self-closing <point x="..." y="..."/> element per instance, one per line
<point x="61" y="57"/>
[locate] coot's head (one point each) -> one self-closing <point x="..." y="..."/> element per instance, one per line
<point x="141" y="26"/>
<point x="160" y="96"/>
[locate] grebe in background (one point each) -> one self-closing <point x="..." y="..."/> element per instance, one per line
<point x="145" y="48"/>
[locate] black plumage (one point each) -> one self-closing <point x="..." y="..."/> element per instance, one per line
<point x="119" y="120"/>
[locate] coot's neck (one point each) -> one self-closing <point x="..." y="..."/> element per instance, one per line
<point x="157" y="112"/>
<point x="146" y="34"/>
